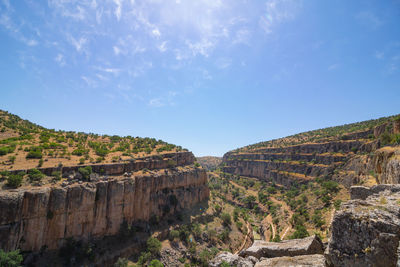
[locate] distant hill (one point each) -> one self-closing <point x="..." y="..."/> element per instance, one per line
<point x="209" y="163"/>
<point x="25" y="145"/>
<point x="321" y="135"/>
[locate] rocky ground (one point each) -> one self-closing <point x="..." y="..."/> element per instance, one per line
<point x="365" y="232"/>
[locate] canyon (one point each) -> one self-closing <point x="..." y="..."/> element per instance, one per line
<point x="46" y="216"/>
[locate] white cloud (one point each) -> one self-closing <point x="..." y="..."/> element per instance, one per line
<point x="117" y="11"/>
<point x="223" y="63"/>
<point x="90" y="82"/>
<point x="278" y="11"/>
<point x="156" y="32"/>
<point x="333" y="67"/>
<point x="60" y="60"/>
<point x="163" y="47"/>
<point x="369" y="19"/>
<point x="156" y="102"/>
<point x="32" y="42"/>
<point x="117" y="50"/>
<point x="78" y="44"/>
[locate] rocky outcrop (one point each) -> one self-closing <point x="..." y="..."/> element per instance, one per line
<point x="233" y="260"/>
<point x="386" y="164"/>
<point x="297" y="252"/>
<point x="316" y="260"/>
<point x="154" y="162"/>
<point x="44" y="217"/>
<point x="294" y="247"/>
<point x="366" y="231"/>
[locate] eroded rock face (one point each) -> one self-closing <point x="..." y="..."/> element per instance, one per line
<point x="366" y="231"/>
<point x="295" y="247"/>
<point x="315" y="260"/>
<point x="233" y="260"/>
<point x="31" y="219"/>
<point x="386" y="163"/>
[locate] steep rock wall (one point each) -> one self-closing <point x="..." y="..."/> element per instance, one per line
<point x="34" y="218"/>
<point x="346" y="161"/>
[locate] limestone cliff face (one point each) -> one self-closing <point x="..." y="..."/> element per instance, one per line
<point x="365" y="232"/>
<point x="46" y="216"/>
<point x="346" y="161"/>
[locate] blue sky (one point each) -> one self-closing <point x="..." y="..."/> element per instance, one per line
<point x="209" y="75"/>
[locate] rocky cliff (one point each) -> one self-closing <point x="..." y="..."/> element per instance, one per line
<point x="351" y="159"/>
<point x="34" y="218"/>
<point x="365" y="232"/>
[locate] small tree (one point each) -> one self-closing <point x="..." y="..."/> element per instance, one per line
<point x="10" y="259"/>
<point x="15" y="180"/>
<point x="173" y="235"/>
<point x="226" y="219"/>
<point x="153" y="245"/>
<point x="85" y="171"/>
<point x="35" y="175"/>
<point x="40" y="164"/>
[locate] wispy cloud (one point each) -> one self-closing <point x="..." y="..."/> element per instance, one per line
<point x="77" y="43"/>
<point x="223" y="63"/>
<point x="333" y="67"/>
<point x="60" y="60"/>
<point x="278" y="11"/>
<point x="379" y="55"/>
<point x="118" y="9"/>
<point x="369" y="19"/>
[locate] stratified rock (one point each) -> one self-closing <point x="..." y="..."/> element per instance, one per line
<point x="295" y="247"/>
<point x="232" y="259"/>
<point x="315" y="260"/>
<point x="366" y="232"/>
<point x="33" y="218"/>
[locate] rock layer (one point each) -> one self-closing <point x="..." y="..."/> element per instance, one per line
<point x="294" y="247"/>
<point x="44" y="217"/>
<point x="315" y="260"/>
<point x="366" y="231"/>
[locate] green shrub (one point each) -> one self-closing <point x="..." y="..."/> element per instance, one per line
<point x="34" y="154"/>
<point x="85" y="172"/>
<point x="40" y="164"/>
<point x="35" y="175"/>
<point x="301" y="232"/>
<point x="10" y="259"/>
<point x="226" y="219"/>
<point x="173" y="235"/>
<point x="15" y="180"/>
<point x="171" y="163"/>
<point x="156" y="263"/>
<point x="153" y="245"/>
<point x="11" y="159"/>
<point x="225" y="264"/>
<point x="121" y="262"/>
<point x="57" y="175"/>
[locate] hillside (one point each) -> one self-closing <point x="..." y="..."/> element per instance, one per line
<point x="358" y="130"/>
<point x="25" y="145"/>
<point x="209" y="163"/>
<point x="85" y="199"/>
<point x="343" y="153"/>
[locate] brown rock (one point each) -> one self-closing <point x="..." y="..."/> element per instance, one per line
<point x="367" y="232"/>
<point x="295" y="247"/>
<point x="46" y="216"/>
<point x="315" y="260"/>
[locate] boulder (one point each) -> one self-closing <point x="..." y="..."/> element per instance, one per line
<point x="315" y="260"/>
<point x="295" y="247"/>
<point x="232" y="259"/>
<point x="367" y="232"/>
